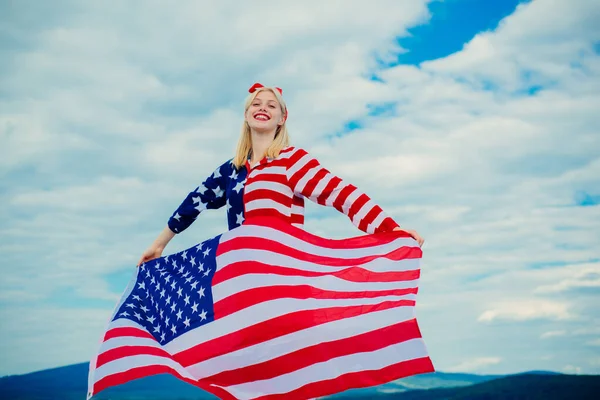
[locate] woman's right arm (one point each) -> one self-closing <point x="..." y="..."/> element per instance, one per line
<point x="209" y="195"/>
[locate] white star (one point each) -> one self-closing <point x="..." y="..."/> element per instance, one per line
<point x="179" y="315"/>
<point x="201" y="189"/>
<point x="193" y="261"/>
<point x="195" y="307"/>
<point x="205" y="253"/>
<point x="203" y="315"/>
<point x="162" y="337"/>
<point x="131" y="305"/>
<point x="173" y="307"/>
<point x="173" y="329"/>
<point x="194" y="284"/>
<point x="188" y="279"/>
<point x="240" y="218"/>
<point x="197" y="199"/>
<point x="168" y="301"/>
<point x="206" y="272"/>
<point x="162" y="314"/>
<point x="142" y="285"/>
<point x="162" y="293"/>
<point x="143" y="266"/>
<point x="153" y="281"/>
<point x="144" y="309"/>
<point x="218" y="192"/>
<point x="124" y="314"/>
<point x="217" y="173"/>
<point x="201" y="267"/>
<point x="186" y="299"/>
<point x="157" y="329"/>
<point x="200" y="207"/>
<point x="227" y="206"/>
<point x="239" y="186"/>
<point x="179" y="294"/>
<point x="201" y="292"/>
<point x="233" y="175"/>
<point x="184" y="255"/>
<point x="177" y="216"/>
<point x="168" y="279"/>
<point x="138" y="316"/>
<point x="181" y="269"/>
<point x="147" y="274"/>
<point x="199" y="247"/>
<point x="150" y="319"/>
<point x="186" y="322"/>
<point x="136" y="297"/>
<point x="167" y="321"/>
<point x="173" y="285"/>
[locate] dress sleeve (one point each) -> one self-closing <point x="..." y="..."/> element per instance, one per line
<point x="308" y="178"/>
<point x="210" y="195"/>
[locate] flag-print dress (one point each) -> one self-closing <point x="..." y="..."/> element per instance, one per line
<point x="268" y="310"/>
<point x="277" y="188"/>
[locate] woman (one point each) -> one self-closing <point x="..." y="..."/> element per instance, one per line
<point x="267" y="177"/>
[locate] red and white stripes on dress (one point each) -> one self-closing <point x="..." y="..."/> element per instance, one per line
<point x="277" y="188"/>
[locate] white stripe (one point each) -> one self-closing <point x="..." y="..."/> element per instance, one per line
<point x="307" y="177"/>
<point x="260" y="204"/>
<point x="323" y="182"/>
<point x="298" y="165"/>
<point x="269" y="169"/>
<point x="327" y="282"/>
<point x="124" y="364"/>
<point x="124" y="341"/>
<point x="263" y="232"/>
<point x="259" y="313"/>
<point x="350" y="200"/>
<point x="286" y="344"/>
<point x="374" y="360"/>
<point x="270" y="258"/>
<point x="362" y="213"/>
<point x="334" y="194"/>
<point x="376" y="222"/>
<point x="269" y="185"/>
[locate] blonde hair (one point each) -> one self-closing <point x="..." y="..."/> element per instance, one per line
<point x="281" y="140"/>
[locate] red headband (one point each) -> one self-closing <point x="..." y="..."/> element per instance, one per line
<point x="257" y="85"/>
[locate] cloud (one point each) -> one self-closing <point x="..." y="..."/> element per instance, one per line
<point x="475" y="364"/>
<point x="551" y="334"/>
<point x="107" y="122"/>
<point x="526" y="310"/>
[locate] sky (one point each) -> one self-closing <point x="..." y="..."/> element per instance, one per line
<point x="473" y="122"/>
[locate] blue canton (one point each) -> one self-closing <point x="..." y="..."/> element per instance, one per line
<point x="224" y="187"/>
<point x="172" y="294"/>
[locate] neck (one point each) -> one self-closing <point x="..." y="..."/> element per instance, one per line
<point x="260" y="143"/>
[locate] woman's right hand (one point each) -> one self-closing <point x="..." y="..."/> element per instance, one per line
<point x="150" y="254"/>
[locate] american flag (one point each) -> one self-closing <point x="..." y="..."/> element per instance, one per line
<point x="270" y="311"/>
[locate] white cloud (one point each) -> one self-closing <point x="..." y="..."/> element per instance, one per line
<point x="475" y="364"/>
<point x="109" y="121"/>
<point x="522" y="310"/>
<point x="551" y="334"/>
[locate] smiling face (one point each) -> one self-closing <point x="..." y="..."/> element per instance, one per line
<point x="264" y="113"/>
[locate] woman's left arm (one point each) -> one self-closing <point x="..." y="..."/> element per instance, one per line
<point x="309" y="178"/>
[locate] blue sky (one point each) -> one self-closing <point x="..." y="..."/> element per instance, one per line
<point x="473" y="122"/>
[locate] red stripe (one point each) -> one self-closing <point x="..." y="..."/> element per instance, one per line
<point x="369" y="218"/>
<point x="276" y="247"/>
<point x="251" y="297"/>
<point x="357" y="242"/>
<point x="331" y="186"/>
<point x="343" y="196"/>
<point x="297" y="219"/>
<point x="270" y="213"/>
<point x="362" y="343"/>
<point x="129" y="350"/>
<point x="357" y="205"/>
<point x="352" y="274"/>
<point x="298" y="201"/>
<point x="141" y="372"/>
<point x="300" y="174"/>
<point x="126" y="331"/>
<point x="269" y="177"/>
<point x="356" y="380"/>
<point x="276" y="327"/>
<point x="262" y="194"/>
<point x="387" y="225"/>
<point x="314" y="181"/>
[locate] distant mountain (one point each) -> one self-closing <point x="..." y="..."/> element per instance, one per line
<point x="70" y="383"/>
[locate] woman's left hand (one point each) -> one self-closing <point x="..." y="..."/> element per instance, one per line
<point x="414" y="234"/>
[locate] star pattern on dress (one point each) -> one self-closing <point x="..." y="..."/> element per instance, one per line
<point x="171" y="297"/>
